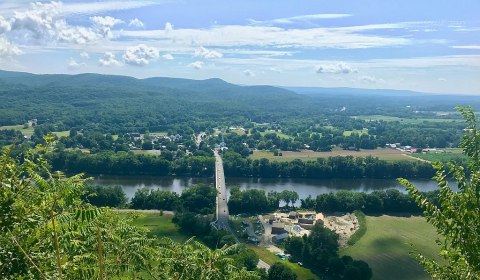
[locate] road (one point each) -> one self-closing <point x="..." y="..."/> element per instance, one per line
<point x="222" y="207"/>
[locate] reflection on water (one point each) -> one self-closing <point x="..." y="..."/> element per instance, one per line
<point x="303" y="187"/>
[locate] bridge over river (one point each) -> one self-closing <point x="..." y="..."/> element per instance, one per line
<point x="222" y="206"/>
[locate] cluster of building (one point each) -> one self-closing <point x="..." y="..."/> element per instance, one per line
<point x="397" y="146"/>
<point x="135" y="137"/>
<point x="293" y="223"/>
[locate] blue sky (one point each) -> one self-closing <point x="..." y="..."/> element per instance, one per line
<point x="431" y="46"/>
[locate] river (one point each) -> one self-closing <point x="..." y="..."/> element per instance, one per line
<point x="303" y="187"/>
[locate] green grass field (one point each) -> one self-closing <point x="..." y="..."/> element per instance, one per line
<point x="160" y="226"/>
<point x="279" y="134"/>
<point x="238" y="131"/>
<point x="270" y="258"/>
<point x="159" y="133"/>
<point x="385" y="247"/>
<point x="25" y="131"/>
<point x="357" y="131"/>
<point x="447" y="155"/>
<point x="62" y="133"/>
<point x="381" y="153"/>
<point x="405" y="120"/>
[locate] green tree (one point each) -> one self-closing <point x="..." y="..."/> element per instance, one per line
<point x="279" y="271"/>
<point x="48" y="232"/>
<point x="457" y="217"/>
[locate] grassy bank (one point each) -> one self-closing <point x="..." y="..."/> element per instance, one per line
<point x="362" y="223"/>
<point x="386" y="246"/>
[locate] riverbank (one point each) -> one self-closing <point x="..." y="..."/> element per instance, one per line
<point x="304" y="187"/>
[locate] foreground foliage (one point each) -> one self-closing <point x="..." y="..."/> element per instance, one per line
<point x="48" y="232"/>
<point x="457" y="218"/>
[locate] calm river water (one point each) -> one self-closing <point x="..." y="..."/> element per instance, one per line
<point x="303" y="187"/>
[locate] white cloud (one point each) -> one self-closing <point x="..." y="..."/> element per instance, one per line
<point x="441" y="79"/>
<point x="105" y="6"/>
<point x="339" y="68"/>
<point x="107" y="21"/>
<point x="168" y="27"/>
<point x="5" y="25"/>
<point x="84" y="55"/>
<point x="168" y="56"/>
<point x="8" y="49"/>
<point x="197" y="65"/>
<point x="140" y="55"/>
<point x="74" y="65"/>
<point x="136" y="23"/>
<point x="266" y="36"/>
<point x="104" y="25"/>
<point x="43" y="22"/>
<point x="471" y="47"/>
<point x="206" y="53"/>
<point x="248" y="73"/>
<point x="295" y="19"/>
<point x="108" y="59"/>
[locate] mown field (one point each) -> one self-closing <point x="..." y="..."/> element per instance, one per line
<point x="160" y="225"/>
<point x="385" y="247"/>
<point x="278" y="133"/>
<point x="447" y="155"/>
<point x="25" y="131"/>
<point x="406" y="120"/>
<point x="381" y="153"/>
<point x="270" y="258"/>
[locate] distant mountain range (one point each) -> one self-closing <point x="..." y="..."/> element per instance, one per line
<point x="122" y="102"/>
<point x="361" y="91"/>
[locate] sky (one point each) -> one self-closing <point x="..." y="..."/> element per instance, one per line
<point x="429" y="46"/>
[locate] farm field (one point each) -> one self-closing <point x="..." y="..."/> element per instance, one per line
<point x="381" y="153"/>
<point x="405" y="120"/>
<point x="448" y="155"/>
<point x="385" y="247"/>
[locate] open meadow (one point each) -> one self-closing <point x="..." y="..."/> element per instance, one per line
<point x="381" y="153"/>
<point x="159" y="225"/>
<point x="386" y="246"/>
<point x="25" y="131"/>
<point x="406" y="120"/>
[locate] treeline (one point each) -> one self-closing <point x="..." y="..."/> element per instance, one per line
<point x="325" y="168"/>
<point x="319" y="251"/>
<point x="254" y="201"/>
<point x="377" y="202"/>
<point x="128" y="163"/>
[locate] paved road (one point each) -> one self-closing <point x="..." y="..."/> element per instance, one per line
<point x="222" y="207"/>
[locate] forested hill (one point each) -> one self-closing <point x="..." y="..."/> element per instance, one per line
<point x="119" y="102"/>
